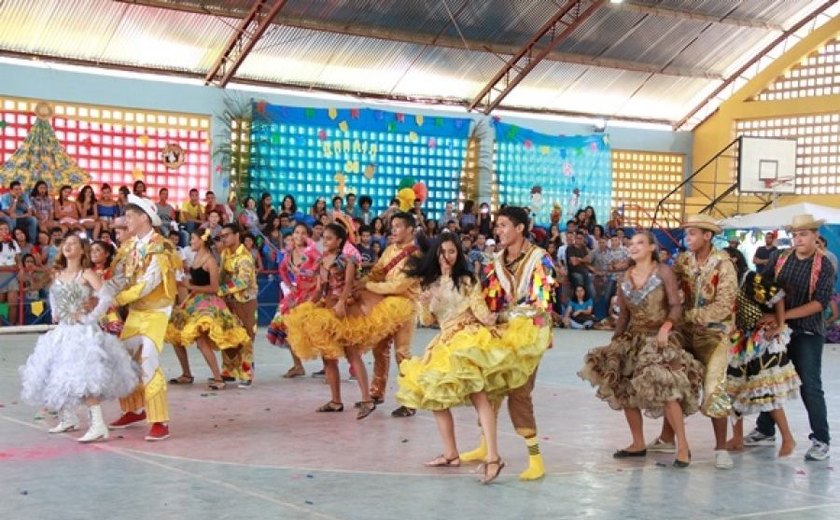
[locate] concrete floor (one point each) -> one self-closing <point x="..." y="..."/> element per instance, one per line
<point x="264" y="453"/>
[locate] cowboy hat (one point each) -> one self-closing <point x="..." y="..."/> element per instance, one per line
<point x="704" y="222"/>
<point x="147" y="206"/>
<point x="805" y="221"/>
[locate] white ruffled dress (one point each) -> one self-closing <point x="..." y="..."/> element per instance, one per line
<point x="76" y="359"/>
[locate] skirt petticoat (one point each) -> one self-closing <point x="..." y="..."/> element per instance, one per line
<point x="72" y="362"/>
<point x="205" y="314"/>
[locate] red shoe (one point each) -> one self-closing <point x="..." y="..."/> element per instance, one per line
<point x="158" y="432"/>
<point x="127" y="419"/>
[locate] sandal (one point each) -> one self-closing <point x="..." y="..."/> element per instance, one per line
<point x="403" y="411"/>
<point x="182" y="380"/>
<point x="365" y="409"/>
<point x="294" y="372"/>
<point x="487" y="477"/>
<point x="331" y="407"/>
<point x="217" y="384"/>
<point x="442" y="462"/>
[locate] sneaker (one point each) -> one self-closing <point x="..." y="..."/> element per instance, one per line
<point x="320" y="373"/>
<point x="127" y="419"/>
<point x="723" y="460"/>
<point x="245" y="384"/>
<point x="660" y="446"/>
<point x="158" y="432"/>
<point x="817" y="451"/>
<point x="756" y="438"/>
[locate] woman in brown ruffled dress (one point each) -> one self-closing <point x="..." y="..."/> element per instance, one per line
<point x="644" y="367"/>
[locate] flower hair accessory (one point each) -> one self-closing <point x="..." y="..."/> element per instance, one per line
<point x="206" y="235"/>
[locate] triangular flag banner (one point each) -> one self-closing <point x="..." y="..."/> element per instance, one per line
<point x="37" y="308"/>
<point x="4" y="310"/>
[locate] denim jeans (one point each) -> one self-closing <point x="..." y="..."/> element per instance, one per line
<point x="805" y="351"/>
<point x="582" y="279"/>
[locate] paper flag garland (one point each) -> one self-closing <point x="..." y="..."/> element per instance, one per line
<point x="354" y="113"/>
<point x="333" y="113"/>
<point x="137" y="174"/>
<point x="322" y="135"/>
<point x="37" y="308"/>
<point x="370" y="171"/>
<point x="419" y="119"/>
<point x="343" y="126"/>
<point x="412" y="136"/>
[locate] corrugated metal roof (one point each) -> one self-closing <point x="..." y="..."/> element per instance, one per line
<point x="414" y="49"/>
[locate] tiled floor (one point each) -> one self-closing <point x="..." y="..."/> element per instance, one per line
<point x="264" y="453"/>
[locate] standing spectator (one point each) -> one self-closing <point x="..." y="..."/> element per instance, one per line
<point x="467" y="215"/>
<point x="761" y="259"/>
<point x="318" y="208"/>
<point x="554" y="236"/>
<point x="365" y="213"/>
<point x="448" y="214"/>
<point x="577" y="263"/>
<point x="590" y="219"/>
<point x="192" y="212"/>
<point x="350" y="205"/>
<point x="600" y="268"/>
<point x="485" y="220"/>
<point x="822" y="243"/>
<point x="211" y="204"/>
<point x="16" y="211"/>
<point x="250" y="243"/>
<point x="139" y="189"/>
<point x="365" y="249"/>
<point x="288" y="205"/>
<point x="66" y="213"/>
<point x="42" y="205"/>
<point x="336" y="204"/>
<point x="9" y="265"/>
<point x="238" y="287"/>
<point x="166" y="213"/>
<point x="106" y="207"/>
<point x="88" y="216"/>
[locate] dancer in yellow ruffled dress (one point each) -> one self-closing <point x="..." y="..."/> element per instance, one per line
<point x="203" y="318"/>
<point x="471" y="359"/>
<point x="336" y="325"/>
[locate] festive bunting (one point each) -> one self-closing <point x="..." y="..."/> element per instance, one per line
<point x="37" y="308"/>
<point x="412" y="136"/>
<point x="322" y="135"/>
<point x="309" y="113"/>
<point x="333" y="113"/>
<point x="419" y="119"/>
<point x="4" y="310"/>
<point x="343" y="126"/>
<point x="400" y="117"/>
<point x="432" y="144"/>
<point x="354" y="113"/>
<point x="261" y="104"/>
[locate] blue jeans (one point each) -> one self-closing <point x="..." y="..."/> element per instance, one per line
<point x="805" y="351"/>
<point x="585" y="280"/>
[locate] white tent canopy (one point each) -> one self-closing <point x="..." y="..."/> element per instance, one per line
<point x="781" y="217"/>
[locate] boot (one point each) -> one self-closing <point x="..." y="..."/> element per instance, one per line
<point x="476" y="455"/>
<point x="98" y="431"/>
<point x="536" y="468"/>
<point x="68" y="421"/>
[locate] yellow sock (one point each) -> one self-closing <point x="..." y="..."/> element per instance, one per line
<point x="536" y="467"/>
<point x="476" y="455"/>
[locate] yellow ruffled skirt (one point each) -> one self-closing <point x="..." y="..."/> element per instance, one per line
<point x="205" y="314"/>
<point x="476" y="358"/>
<point x="314" y="331"/>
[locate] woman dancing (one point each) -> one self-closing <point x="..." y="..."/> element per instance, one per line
<point x="76" y="362"/>
<point x="299" y="272"/>
<point x="203" y="317"/>
<point x="470" y="360"/>
<point x="334" y="325"/>
<point x="761" y="377"/>
<point x="644" y="367"/>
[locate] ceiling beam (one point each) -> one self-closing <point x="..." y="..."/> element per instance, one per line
<point x="444" y="41"/>
<point x="239" y="45"/>
<point x="557" y="28"/>
<point x="670" y="12"/>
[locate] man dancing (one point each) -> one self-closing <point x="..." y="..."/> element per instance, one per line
<point x="144" y="281"/>
<point x="709" y="283"/>
<point x="388" y="279"/>
<point x="519" y="281"/>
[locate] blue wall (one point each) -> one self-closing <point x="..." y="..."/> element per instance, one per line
<point x="87" y="87"/>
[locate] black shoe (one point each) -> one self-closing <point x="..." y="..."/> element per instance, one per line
<point x="682" y="463"/>
<point x="226" y="379"/>
<point x="624" y="454"/>
<point x="403" y="411"/>
<point x="320" y="373"/>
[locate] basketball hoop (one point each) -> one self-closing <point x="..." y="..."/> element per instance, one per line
<point x="770" y="184"/>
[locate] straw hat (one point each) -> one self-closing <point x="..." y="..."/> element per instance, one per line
<point x="805" y="221"/>
<point x="704" y="222"/>
<point x="147" y="206"/>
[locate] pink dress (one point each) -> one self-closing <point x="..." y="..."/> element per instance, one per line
<point x="302" y="278"/>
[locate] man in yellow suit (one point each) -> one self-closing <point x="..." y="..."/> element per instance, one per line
<point x="144" y="282"/>
<point x="387" y="277"/>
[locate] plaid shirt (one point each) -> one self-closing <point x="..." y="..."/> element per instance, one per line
<point x="795" y="279"/>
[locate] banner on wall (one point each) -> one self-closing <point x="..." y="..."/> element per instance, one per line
<point x="540" y="171"/>
<point x="322" y="152"/>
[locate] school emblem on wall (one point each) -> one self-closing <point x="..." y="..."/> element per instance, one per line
<point x="173" y="156"/>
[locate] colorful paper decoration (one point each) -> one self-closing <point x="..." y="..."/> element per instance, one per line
<point x="420" y="191"/>
<point x="354" y="113"/>
<point x="438" y="122"/>
<point x="309" y="113"/>
<point x="528" y="144"/>
<point x="419" y="119"/>
<point x="261" y="104"/>
<point x="322" y="135"/>
<point x="340" y="179"/>
<point x="400" y="117"/>
<point x="37" y="308"/>
<point x="406" y="197"/>
<point x="406" y="182"/>
<point x="343" y="126"/>
<point x="413" y="137"/>
<point x="432" y="143"/>
<point x="332" y="113"/>
<point x="370" y="171"/>
<point x="137" y="174"/>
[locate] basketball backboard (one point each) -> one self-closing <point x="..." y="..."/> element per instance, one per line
<point x="766" y="165"/>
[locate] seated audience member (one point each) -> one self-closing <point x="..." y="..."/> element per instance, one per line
<point x="192" y="212"/>
<point x="107" y="207"/>
<point x="42" y="205"/>
<point x="9" y="266"/>
<point x="88" y="212"/>
<point x="16" y="210"/>
<point x="33" y="278"/>
<point x="579" y="312"/>
<point x="211" y="204"/>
